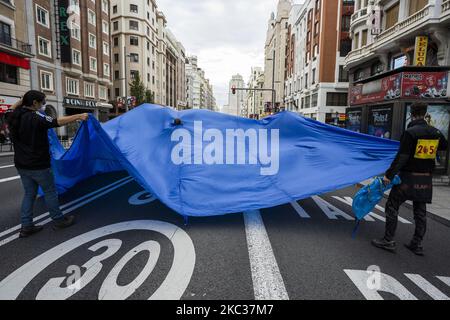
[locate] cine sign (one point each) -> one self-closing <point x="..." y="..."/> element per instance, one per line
<point x="420" y="55"/>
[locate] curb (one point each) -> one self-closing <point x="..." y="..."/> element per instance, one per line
<point x="431" y="215"/>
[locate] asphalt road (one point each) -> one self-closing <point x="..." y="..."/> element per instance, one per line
<point x="127" y="245"/>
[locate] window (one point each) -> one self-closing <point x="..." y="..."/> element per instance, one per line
<point x="134" y="41"/>
<point x="105" y="48"/>
<point x="75" y="3"/>
<point x="134" y="57"/>
<point x="105" y="27"/>
<point x="102" y="93"/>
<point x="316" y="28"/>
<point x="116" y="75"/>
<point x="93" y="64"/>
<point x="5" y="33"/>
<point x="313" y="76"/>
<point x="364" y="38"/>
<point x="314" y="98"/>
<point x="376" y="68"/>
<point x="134" y="8"/>
<point x="400" y="61"/>
<point x="359" y="74"/>
<point x="106" y="70"/>
<point x="92" y="17"/>
<point x="75" y="31"/>
<point x="134" y="74"/>
<point x="356" y="40"/>
<point x="346" y="47"/>
<point x="116" y="58"/>
<point x="76" y="57"/>
<point x="42" y="16"/>
<point x="335" y="99"/>
<point x="345" y="26"/>
<point x="92" y="41"/>
<point x="105" y="6"/>
<point x="45" y="47"/>
<point x="115" y="9"/>
<point x="343" y="74"/>
<point x="72" y="86"/>
<point x="134" y="25"/>
<point x="116" y="25"/>
<point x="46" y="80"/>
<point x="89" y="90"/>
<point x="392" y="15"/>
<point x="416" y="5"/>
<point x="116" y="41"/>
<point x="8" y="74"/>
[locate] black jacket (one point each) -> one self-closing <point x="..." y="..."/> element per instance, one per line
<point x="415" y="144"/>
<point x="30" y="138"/>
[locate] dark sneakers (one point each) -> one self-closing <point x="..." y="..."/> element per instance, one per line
<point x="29" y="231"/>
<point x="64" y="223"/>
<point x="415" y="248"/>
<point x="385" y="245"/>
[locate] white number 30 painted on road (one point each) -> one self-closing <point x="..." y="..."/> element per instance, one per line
<point x="172" y="288"/>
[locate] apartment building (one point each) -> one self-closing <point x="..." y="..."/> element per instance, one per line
<point x="275" y="54"/>
<point x="15" y="54"/>
<point x="237" y="104"/>
<point x="199" y="91"/>
<point x="255" y="99"/>
<point x="142" y="44"/>
<point x="317" y="42"/>
<point x="400" y="54"/>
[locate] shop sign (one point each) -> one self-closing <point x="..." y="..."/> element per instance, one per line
<point x="80" y="103"/>
<point x="420" y="54"/>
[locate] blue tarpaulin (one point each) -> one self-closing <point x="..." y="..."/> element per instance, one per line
<point x="186" y="167"/>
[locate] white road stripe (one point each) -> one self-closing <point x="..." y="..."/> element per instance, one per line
<point x="9" y="179"/>
<point x="331" y="211"/>
<point x="80" y="204"/>
<point x="301" y="212"/>
<point x="426" y="286"/>
<point x="5" y="167"/>
<point x="268" y="283"/>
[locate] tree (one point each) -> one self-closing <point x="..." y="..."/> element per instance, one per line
<point x="149" y="97"/>
<point x="137" y="89"/>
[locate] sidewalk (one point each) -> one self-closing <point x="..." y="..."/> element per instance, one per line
<point x="440" y="209"/>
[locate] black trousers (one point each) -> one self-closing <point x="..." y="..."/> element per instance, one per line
<point x="396" y="199"/>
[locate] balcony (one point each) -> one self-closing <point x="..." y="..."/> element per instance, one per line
<point x="445" y="10"/>
<point x="389" y="36"/>
<point x="15" y="47"/>
<point x="358" y="16"/>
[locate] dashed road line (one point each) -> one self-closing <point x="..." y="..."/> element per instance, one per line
<point x="8" y="166"/>
<point x="9" y="179"/>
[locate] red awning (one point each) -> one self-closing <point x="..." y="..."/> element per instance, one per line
<point x="14" y="61"/>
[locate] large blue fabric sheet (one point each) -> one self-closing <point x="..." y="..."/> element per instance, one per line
<point x="314" y="158"/>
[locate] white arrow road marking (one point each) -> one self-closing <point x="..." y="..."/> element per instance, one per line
<point x="426" y="286"/>
<point x="268" y="283"/>
<point x="445" y="280"/>
<point x="9" y="179"/>
<point x="301" y="212"/>
<point x="97" y="194"/>
<point x="5" y="167"/>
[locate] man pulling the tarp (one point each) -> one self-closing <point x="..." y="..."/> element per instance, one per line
<point x="415" y="163"/>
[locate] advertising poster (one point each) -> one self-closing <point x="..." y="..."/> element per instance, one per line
<point x="417" y="85"/>
<point x="354" y="120"/>
<point x="380" y="122"/>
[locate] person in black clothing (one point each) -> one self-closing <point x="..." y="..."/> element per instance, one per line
<point x="414" y="163"/>
<point x="29" y="133"/>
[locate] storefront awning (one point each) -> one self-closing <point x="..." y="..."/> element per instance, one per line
<point x="105" y="105"/>
<point x="14" y="61"/>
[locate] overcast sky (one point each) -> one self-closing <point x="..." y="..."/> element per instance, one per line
<point x="227" y="36"/>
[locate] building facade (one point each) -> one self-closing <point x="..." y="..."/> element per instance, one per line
<point x="275" y="54"/>
<point x="15" y="53"/>
<point x="400" y="54"/>
<point x="236" y="101"/>
<point x="199" y="91"/>
<point x="255" y="99"/>
<point x="142" y="44"/>
<point x="317" y="41"/>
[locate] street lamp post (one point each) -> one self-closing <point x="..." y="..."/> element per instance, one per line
<point x="273" y="78"/>
<point x="125" y="56"/>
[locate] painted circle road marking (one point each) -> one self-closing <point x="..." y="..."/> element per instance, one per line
<point x="172" y="288"/>
<point x="141" y="198"/>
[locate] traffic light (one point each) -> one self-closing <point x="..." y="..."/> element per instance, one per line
<point x="233" y="90"/>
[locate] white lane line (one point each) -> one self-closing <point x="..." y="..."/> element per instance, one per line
<point x="268" y="283"/>
<point x="16" y="236"/>
<point x="301" y="212"/>
<point x="426" y="286"/>
<point x="64" y="206"/>
<point x="9" y="179"/>
<point x="5" y="167"/>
